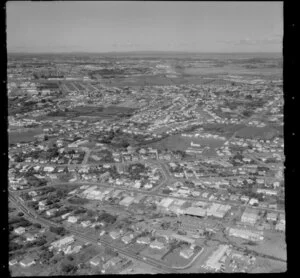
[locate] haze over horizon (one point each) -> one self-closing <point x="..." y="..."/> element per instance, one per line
<point x="100" y="27"/>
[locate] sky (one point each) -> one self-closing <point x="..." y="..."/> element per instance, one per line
<point x="144" y="26"/>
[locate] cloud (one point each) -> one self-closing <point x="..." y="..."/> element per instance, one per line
<point x="126" y="45"/>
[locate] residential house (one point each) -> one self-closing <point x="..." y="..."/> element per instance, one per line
<point x="13" y="262"/>
<point x="20" y="230"/>
<point x="115" y="234"/>
<point x="157" y="245"/>
<point x="143" y="240"/>
<point x="186" y="253"/>
<point x="72" y="219"/>
<point x="95" y="261"/>
<point x="27" y="262"/>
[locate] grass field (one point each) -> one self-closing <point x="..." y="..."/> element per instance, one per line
<point x="178" y="142"/>
<point x="268" y="266"/>
<point x="257" y="132"/>
<point x="23" y="135"/>
<point x="154" y="253"/>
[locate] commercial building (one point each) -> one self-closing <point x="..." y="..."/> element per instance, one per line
<point x="218" y="210"/>
<point x="195" y="211"/>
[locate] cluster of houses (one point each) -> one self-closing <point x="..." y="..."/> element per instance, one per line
<point x="67" y="245"/>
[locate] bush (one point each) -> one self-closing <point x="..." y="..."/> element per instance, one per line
<point x="37" y="225"/>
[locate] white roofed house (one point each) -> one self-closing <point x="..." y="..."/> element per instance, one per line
<point x="20" y="230"/>
<point x="62" y="242"/>
<point x="143" y="240"/>
<point x="95" y="261"/>
<point x="30" y="237"/>
<point x="42" y="205"/>
<point x="64" y="216"/>
<point x="127" y="201"/>
<point x="186" y="253"/>
<point x="48" y="169"/>
<point x="272" y="216"/>
<point x="71" y="249"/>
<point x="32" y="193"/>
<point x="280" y="226"/>
<point x="51" y="212"/>
<point x="13" y="262"/>
<point x="27" y="262"/>
<point x="127" y="238"/>
<point x="85" y="224"/>
<point x="115" y="234"/>
<point x="253" y="201"/>
<point x="157" y="245"/>
<point x="72" y="219"/>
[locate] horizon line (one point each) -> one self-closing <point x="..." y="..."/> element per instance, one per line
<point x="144" y="51"/>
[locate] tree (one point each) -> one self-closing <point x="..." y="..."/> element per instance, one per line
<point x="70" y="258"/>
<point x="46" y="255"/>
<point x="110" y="252"/>
<point x="58" y="230"/>
<point x="13" y="246"/>
<point x="68" y="268"/>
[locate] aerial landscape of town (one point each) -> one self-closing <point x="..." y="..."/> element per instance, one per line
<point x="145" y="163"/>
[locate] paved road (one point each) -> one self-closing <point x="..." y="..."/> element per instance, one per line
<point x="152" y="193"/>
